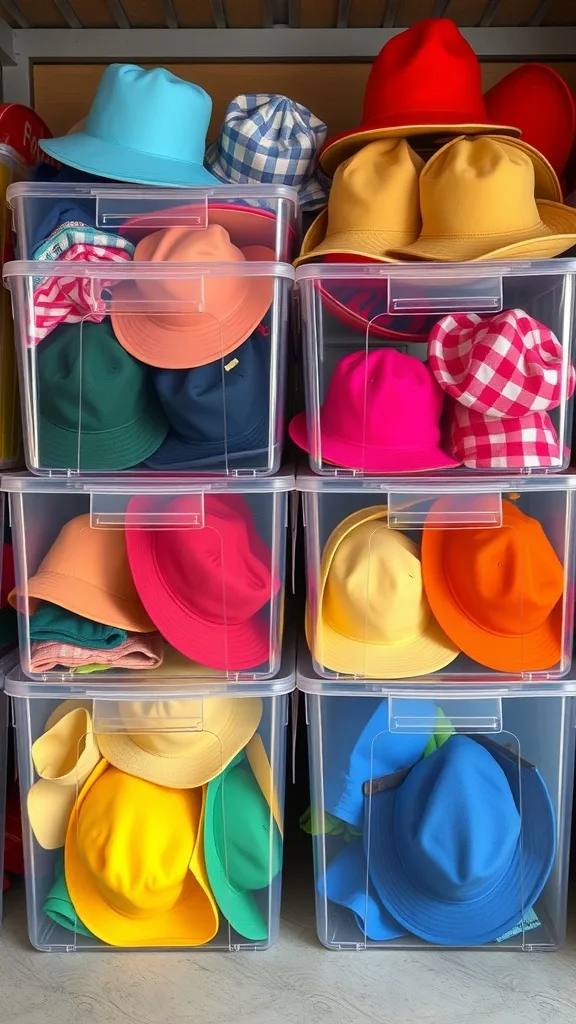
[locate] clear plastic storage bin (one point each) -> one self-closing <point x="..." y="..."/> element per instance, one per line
<point x="154" y="823"/>
<point x="433" y="579"/>
<point x="7" y="662"/>
<point x="12" y="168"/>
<point x="252" y="214"/>
<point x="420" y="368"/>
<point x="178" y="578"/>
<point x="440" y="819"/>
<point x="171" y="362"/>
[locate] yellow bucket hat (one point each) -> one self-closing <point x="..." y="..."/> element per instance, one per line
<point x="479" y="201"/>
<point x="374" y="619"/>
<point x="134" y="862"/>
<point x="63" y="757"/>
<point x="181" y="743"/>
<point x="373" y="204"/>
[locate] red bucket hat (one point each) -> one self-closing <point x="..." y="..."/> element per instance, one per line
<point x="204" y="588"/>
<point x="424" y="81"/>
<point x="537" y="100"/>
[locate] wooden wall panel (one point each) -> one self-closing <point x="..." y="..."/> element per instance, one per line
<point x="515" y="12"/>
<point x="466" y="13"/>
<point x="42" y="13"/>
<point x="244" y="13"/>
<point x="411" y="11"/>
<point x="197" y="14"/>
<point x="318" y="13"/>
<point x="334" y="92"/>
<point x="93" y="13"/>
<point x="145" y="13"/>
<point x="366" y="13"/>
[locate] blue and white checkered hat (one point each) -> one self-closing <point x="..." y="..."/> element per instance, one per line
<point x="271" y="140"/>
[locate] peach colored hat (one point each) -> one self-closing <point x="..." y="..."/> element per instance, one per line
<point x="86" y="571"/>
<point x="180" y="322"/>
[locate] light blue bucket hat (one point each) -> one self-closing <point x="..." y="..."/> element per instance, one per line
<point x="146" y="127"/>
<point x="271" y="140"/>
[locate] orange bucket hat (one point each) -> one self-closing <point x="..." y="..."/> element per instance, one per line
<point x="86" y="571"/>
<point x="496" y="591"/>
<point x="178" y="322"/>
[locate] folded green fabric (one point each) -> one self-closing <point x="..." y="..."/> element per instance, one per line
<point x="58" y="905"/>
<point x="61" y="626"/>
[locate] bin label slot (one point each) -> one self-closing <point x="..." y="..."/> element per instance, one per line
<point x="460" y="714"/>
<point x="162" y="210"/>
<point x="457" y="510"/>
<point x="444" y="292"/>
<point x="109" y="510"/>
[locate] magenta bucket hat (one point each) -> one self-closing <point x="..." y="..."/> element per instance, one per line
<point x="381" y="414"/>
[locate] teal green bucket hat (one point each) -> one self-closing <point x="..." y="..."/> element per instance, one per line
<point x="98" y="410"/>
<point x="242" y="847"/>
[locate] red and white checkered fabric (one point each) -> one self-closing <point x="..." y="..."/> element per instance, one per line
<point x="504" y="366"/>
<point x="483" y="442"/>
<point x="70" y="300"/>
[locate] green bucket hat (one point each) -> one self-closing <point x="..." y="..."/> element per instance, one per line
<point x="98" y="409"/>
<point x="58" y="905"/>
<point x="242" y="846"/>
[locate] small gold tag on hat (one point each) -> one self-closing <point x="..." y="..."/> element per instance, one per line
<point x="231" y="364"/>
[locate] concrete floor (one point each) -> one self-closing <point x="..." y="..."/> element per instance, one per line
<point x="299" y="982"/>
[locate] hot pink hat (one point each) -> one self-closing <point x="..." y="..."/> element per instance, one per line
<point x="381" y="414"/>
<point x="204" y="587"/>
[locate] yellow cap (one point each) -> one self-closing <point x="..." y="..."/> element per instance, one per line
<point x="373" y="204"/>
<point x="374" y="619"/>
<point x="134" y="862"/>
<point x="478" y="202"/>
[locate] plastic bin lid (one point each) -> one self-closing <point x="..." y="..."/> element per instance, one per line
<point x="152" y="483"/>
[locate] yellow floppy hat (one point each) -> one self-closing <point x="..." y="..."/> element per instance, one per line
<point x="134" y="862"/>
<point x="63" y="756"/>
<point x="373" y="616"/>
<point x="373" y="204"/>
<point x="479" y="202"/>
<point x="181" y="743"/>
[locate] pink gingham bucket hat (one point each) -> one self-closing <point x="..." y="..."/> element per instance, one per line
<point x="504" y="374"/>
<point x="381" y="414"/>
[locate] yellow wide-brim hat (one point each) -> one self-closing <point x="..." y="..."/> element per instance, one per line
<point x="193" y="919"/>
<point x="163" y="743"/>
<point x="420" y="656"/>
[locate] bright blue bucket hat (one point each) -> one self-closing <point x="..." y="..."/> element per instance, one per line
<point x="347" y="883"/>
<point x="358" y="745"/>
<point x="218" y="412"/>
<point x="147" y="127"/>
<point x="462" y="844"/>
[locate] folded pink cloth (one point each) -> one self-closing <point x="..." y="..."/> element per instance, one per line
<point x="139" y="651"/>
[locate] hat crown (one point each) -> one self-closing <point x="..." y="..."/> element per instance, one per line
<point x="151" y="112"/>
<point x="226" y="558"/>
<point x="243" y="825"/>
<point x="374" y="591"/>
<point x="137" y="839"/>
<point x="174" y="728"/>
<point x="174" y="302"/>
<point x="88" y="383"/>
<point x="383" y="398"/>
<point x="279" y="138"/>
<point x="478" y="186"/>
<point x="513" y="577"/>
<point x="422" y="70"/>
<point x="456" y="824"/>
<point x="377" y="189"/>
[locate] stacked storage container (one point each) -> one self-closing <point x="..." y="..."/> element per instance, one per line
<point x="440" y="609"/>
<point x="150" y="550"/>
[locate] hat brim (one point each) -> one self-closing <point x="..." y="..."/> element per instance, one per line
<point x="206" y="338"/>
<point x="486" y="918"/>
<point x="120" y="448"/>
<point x="529" y="652"/>
<point x="225" y="646"/>
<point x="238" y="906"/>
<point x="94" y="155"/>
<point x="421" y="656"/>
<point x="178" y="453"/>
<point x="371" y="244"/>
<point x="555" y="233"/>
<point x="340" y="452"/>
<point x="192" y="921"/>
<point x="389" y="326"/>
<point x="347" y="883"/>
<point x="338" y="149"/>
<point x="82" y="598"/>
<point x="211" y="755"/>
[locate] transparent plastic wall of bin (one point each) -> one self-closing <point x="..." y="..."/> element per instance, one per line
<point x="161" y="826"/>
<point x="175" y="577"/>
<point x="12" y="168"/>
<point x="253" y="215"/>
<point x="493" y="395"/>
<point x="157" y="366"/>
<point x="468" y="580"/>
<point x="7" y="662"/>
<point x="483" y="787"/>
